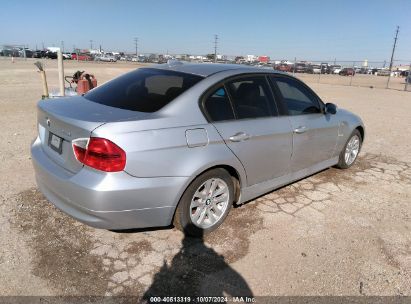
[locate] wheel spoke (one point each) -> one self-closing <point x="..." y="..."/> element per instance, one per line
<point x="200" y="195"/>
<point x="221" y="198"/>
<point x="195" y="204"/>
<point x="217" y="211"/>
<point x="211" y="217"/>
<point x="207" y="187"/>
<point x="201" y="216"/>
<point x="213" y="186"/>
<point x="219" y="191"/>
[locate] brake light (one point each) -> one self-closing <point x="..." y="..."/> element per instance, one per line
<point x="100" y="154"/>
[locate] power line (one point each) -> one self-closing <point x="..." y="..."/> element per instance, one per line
<point x="136" y="45"/>
<point x="392" y="54"/>
<point x="215" y="47"/>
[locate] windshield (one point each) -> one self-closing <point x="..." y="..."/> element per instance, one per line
<point x="143" y="90"/>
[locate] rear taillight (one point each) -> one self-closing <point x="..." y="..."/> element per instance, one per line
<point x="100" y="154"/>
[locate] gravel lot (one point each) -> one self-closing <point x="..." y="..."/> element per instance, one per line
<point x="339" y="232"/>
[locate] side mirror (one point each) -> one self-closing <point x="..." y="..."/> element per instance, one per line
<point x="330" y="108"/>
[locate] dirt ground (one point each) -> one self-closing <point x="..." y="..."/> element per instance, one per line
<point x="339" y="232"/>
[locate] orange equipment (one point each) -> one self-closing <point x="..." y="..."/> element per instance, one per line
<point x="85" y="83"/>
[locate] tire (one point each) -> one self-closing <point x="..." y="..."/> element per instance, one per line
<point x="343" y="162"/>
<point x="208" y="208"/>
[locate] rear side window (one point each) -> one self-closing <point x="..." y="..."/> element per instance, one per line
<point x="297" y="98"/>
<point x="143" y="90"/>
<point x="218" y="105"/>
<point x="251" y="97"/>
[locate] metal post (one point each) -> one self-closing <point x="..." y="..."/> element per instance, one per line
<point x="408" y="78"/>
<point x="61" y="72"/>
<point x="215" y="47"/>
<point x="353" y="71"/>
<point x="392" y="56"/>
<point x="319" y="75"/>
<point x="295" y="62"/>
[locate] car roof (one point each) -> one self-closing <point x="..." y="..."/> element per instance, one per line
<point x="205" y="69"/>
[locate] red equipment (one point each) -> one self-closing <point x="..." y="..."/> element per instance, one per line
<point x="85" y="82"/>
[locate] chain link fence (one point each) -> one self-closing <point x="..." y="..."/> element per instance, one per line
<point x="372" y="74"/>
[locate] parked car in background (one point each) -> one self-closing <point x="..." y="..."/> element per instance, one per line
<point x="38" y="54"/>
<point x="66" y="55"/>
<point x="284" y="67"/>
<point x="363" y="71"/>
<point x="181" y="143"/>
<point x="81" y="56"/>
<point x="335" y="69"/>
<point x="29" y="53"/>
<point x="105" y="58"/>
<point x="347" y="72"/>
<point x="375" y="71"/>
<point x="383" y="72"/>
<point x="300" y="68"/>
<point x="325" y="68"/>
<point x="11" y="52"/>
<point x="314" y="69"/>
<point x="50" y="55"/>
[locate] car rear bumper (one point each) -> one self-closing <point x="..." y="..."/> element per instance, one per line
<point x="107" y="200"/>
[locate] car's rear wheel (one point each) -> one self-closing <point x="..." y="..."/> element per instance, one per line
<point x="350" y="151"/>
<point x="206" y="203"/>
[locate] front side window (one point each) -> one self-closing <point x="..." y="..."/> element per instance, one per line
<point x="297" y="98"/>
<point x="251" y="97"/>
<point x="218" y="106"/>
<point x="143" y="90"/>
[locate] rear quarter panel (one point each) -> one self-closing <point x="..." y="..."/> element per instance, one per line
<point x="165" y="152"/>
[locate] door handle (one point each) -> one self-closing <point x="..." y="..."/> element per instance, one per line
<point x="300" y="130"/>
<point x="240" y="136"/>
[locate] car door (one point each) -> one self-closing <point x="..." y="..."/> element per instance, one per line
<point x="315" y="134"/>
<point x="244" y="113"/>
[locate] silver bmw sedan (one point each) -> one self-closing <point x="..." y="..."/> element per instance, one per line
<point x="181" y="143"/>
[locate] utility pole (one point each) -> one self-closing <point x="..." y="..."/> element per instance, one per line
<point x="136" y="45"/>
<point x="392" y="55"/>
<point x="42" y="44"/>
<point x="91" y="44"/>
<point x="62" y="46"/>
<point x="215" y="47"/>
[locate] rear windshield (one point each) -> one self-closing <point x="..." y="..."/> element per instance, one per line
<point x="143" y="90"/>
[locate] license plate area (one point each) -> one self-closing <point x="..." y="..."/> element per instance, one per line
<point x="55" y="142"/>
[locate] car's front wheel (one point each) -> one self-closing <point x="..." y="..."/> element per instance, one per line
<point x="206" y="203"/>
<point x="350" y="151"/>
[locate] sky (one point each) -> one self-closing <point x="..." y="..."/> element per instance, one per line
<point x="310" y="30"/>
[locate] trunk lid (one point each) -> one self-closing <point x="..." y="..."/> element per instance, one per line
<point x="62" y="120"/>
